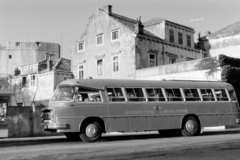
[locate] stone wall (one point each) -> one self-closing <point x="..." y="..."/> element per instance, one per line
<point x="23" y="122"/>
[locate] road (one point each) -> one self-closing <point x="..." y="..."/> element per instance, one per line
<point x="224" y="146"/>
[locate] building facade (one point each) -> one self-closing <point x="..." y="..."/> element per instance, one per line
<point x="36" y="82"/>
<point x="224" y="41"/>
<point x="16" y="54"/>
<point x="114" y="46"/>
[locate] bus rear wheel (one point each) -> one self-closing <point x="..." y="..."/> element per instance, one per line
<point x="191" y="127"/>
<point x="91" y="131"/>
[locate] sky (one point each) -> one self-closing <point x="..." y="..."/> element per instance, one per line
<point x="63" y="21"/>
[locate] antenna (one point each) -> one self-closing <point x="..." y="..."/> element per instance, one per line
<point x="199" y="19"/>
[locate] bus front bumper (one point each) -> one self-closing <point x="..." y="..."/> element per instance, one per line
<point x="53" y="126"/>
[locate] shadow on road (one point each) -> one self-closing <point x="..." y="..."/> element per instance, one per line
<point x="105" y="138"/>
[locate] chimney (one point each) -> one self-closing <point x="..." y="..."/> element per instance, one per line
<point x="139" y="27"/>
<point x="108" y="9"/>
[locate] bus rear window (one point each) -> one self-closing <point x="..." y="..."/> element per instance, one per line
<point x="174" y="94"/>
<point x="135" y="94"/>
<point x="191" y="95"/>
<point x="115" y="95"/>
<point x="155" y="94"/>
<point x="207" y="95"/>
<point x="221" y="94"/>
<point x="232" y="95"/>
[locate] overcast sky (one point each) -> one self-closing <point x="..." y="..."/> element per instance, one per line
<point x="63" y="21"/>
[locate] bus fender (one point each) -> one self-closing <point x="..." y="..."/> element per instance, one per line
<point x="192" y="115"/>
<point x="100" y="120"/>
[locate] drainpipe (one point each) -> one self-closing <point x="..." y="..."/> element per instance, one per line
<point x="163" y="53"/>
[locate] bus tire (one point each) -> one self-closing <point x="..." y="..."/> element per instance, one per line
<point x="91" y="131"/>
<point x="72" y="136"/>
<point x="191" y="127"/>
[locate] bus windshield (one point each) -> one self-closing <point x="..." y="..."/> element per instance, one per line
<point x="64" y="93"/>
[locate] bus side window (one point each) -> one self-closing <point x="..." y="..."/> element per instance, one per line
<point x="191" y="95"/>
<point x="207" y="95"/>
<point x="115" y="94"/>
<point x="154" y="94"/>
<point x="135" y="94"/>
<point x="174" y="94"/>
<point x="88" y="95"/>
<point x="232" y="95"/>
<point x="221" y="94"/>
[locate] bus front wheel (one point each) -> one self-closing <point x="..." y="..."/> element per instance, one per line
<point x="91" y="131"/>
<point x="190" y="127"/>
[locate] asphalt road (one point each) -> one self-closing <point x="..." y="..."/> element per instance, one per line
<point x="220" y="146"/>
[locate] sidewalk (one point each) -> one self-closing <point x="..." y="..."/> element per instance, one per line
<point x="29" y="139"/>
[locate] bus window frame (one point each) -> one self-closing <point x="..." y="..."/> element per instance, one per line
<point x="226" y="91"/>
<point x="126" y="95"/>
<point x="182" y="96"/>
<point x="89" y="96"/>
<point x="215" y="100"/>
<point x="146" y="94"/>
<point x="107" y="96"/>
<point x="200" y="98"/>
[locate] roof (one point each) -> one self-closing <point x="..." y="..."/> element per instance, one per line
<point x="101" y="83"/>
<point x="158" y="20"/>
<point x="229" y="30"/>
<point x="130" y="23"/>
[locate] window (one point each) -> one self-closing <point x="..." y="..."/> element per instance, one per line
<point x="115" y="63"/>
<point x="152" y="60"/>
<point x="188" y="40"/>
<point x="180" y="38"/>
<point x="88" y="95"/>
<point x="172" y="60"/>
<point x="135" y="94"/>
<point x="100" y="39"/>
<point x="171" y="35"/>
<point x="191" y="95"/>
<point x="80" y="46"/>
<point x="81" y="71"/>
<point x="99" y="67"/>
<point x="232" y="95"/>
<point x="24" y="81"/>
<point x="173" y="94"/>
<point x="207" y="95"/>
<point x="114" y="35"/>
<point x="221" y="94"/>
<point x="115" y="94"/>
<point x="33" y="80"/>
<point x="9" y="56"/>
<point x="155" y="94"/>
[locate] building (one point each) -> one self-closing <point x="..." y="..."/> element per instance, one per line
<point x="16" y="54"/>
<point x="35" y="83"/>
<point x="224" y="41"/>
<point x="114" y="46"/>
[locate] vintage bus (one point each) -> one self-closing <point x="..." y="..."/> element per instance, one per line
<point x="87" y="108"/>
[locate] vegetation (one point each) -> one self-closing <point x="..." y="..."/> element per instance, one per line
<point x="4" y="83"/>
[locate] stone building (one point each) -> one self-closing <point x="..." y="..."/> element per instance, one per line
<point x="16" y="54"/>
<point x="115" y="46"/>
<point x="37" y="82"/>
<point x="224" y="41"/>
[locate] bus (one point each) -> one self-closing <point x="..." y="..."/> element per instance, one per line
<point x="86" y="108"/>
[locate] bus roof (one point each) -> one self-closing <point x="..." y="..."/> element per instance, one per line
<point x="101" y="83"/>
